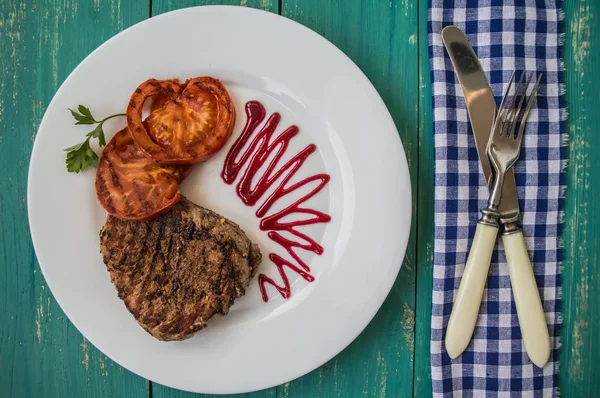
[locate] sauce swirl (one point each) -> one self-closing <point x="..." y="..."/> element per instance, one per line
<point x="263" y="147"/>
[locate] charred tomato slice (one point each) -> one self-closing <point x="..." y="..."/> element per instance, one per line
<point x="188" y="122"/>
<point x="131" y="186"/>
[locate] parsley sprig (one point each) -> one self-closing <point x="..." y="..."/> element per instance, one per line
<point x="82" y="156"/>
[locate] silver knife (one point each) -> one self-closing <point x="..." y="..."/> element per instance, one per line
<point x="482" y="109"/>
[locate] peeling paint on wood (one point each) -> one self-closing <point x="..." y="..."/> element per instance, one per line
<point x="581" y="327"/>
<point x="265" y="5"/>
<point x="103" y="369"/>
<point x="381" y="376"/>
<point x="408" y="327"/>
<point x="38" y="320"/>
<point x="86" y="354"/>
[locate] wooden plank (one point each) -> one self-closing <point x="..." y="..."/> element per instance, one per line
<point x="162" y="6"/>
<point x="160" y="391"/>
<point x="381" y="38"/>
<point x="580" y="353"/>
<point x="41" y="352"/>
<point x="422" y="372"/>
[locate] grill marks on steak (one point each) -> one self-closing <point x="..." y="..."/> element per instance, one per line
<point x="177" y="271"/>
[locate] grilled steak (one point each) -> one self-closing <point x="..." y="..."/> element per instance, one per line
<point x="177" y="271"/>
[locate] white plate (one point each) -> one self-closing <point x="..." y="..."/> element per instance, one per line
<point x="291" y="70"/>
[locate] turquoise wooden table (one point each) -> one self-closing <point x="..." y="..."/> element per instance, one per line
<point x="43" y="355"/>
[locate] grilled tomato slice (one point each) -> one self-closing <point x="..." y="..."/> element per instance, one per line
<point x="131" y="186"/>
<point x="188" y="122"/>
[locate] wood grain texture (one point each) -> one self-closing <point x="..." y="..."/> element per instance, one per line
<point x="41" y="352"/>
<point x="381" y="38"/>
<point x="422" y="371"/>
<point x="162" y="6"/>
<point x="580" y="353"/>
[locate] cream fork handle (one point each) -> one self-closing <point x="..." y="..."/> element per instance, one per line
<point x="534" y="329"/>
<point x="470" y="292"/>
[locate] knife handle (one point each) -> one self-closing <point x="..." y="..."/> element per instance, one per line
<point x="468" y="299"/>
<point x="534" y="329"/>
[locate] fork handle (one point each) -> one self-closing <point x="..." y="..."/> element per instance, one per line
<point x="470" y="292"/>
<point x="530" y="312"/>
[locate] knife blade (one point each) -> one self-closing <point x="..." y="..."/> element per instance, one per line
<point x="481" y="106"/>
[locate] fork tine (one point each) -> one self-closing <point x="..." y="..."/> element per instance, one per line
<point x="512" y="105"/>
<point x="515" y="119"/>
<point x="510" y="82"/>
<point x="499" y="115"/>
<point x="526" y="114"/>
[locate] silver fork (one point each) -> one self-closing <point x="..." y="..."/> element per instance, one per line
<point x="503" y="150"/>
<point x="504" y="147"/>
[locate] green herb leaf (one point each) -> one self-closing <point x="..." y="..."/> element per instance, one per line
<point x="98" y="133"/>
<point x="80" y="157"/>
<point x="85" y="111"/>
<point x="75" y="147"/>
<point x="84" y="116"/>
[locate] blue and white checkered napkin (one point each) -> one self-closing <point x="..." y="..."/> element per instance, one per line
<point x="506" y="35"/>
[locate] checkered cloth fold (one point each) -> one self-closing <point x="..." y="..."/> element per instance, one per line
<point x="507" y="36"/>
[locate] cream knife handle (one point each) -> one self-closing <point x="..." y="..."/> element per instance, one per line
<point x="468" y="299"/>
<point x="527" y="299"/>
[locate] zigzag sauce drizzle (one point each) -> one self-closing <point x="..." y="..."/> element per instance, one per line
<point x="256" y="155"/>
